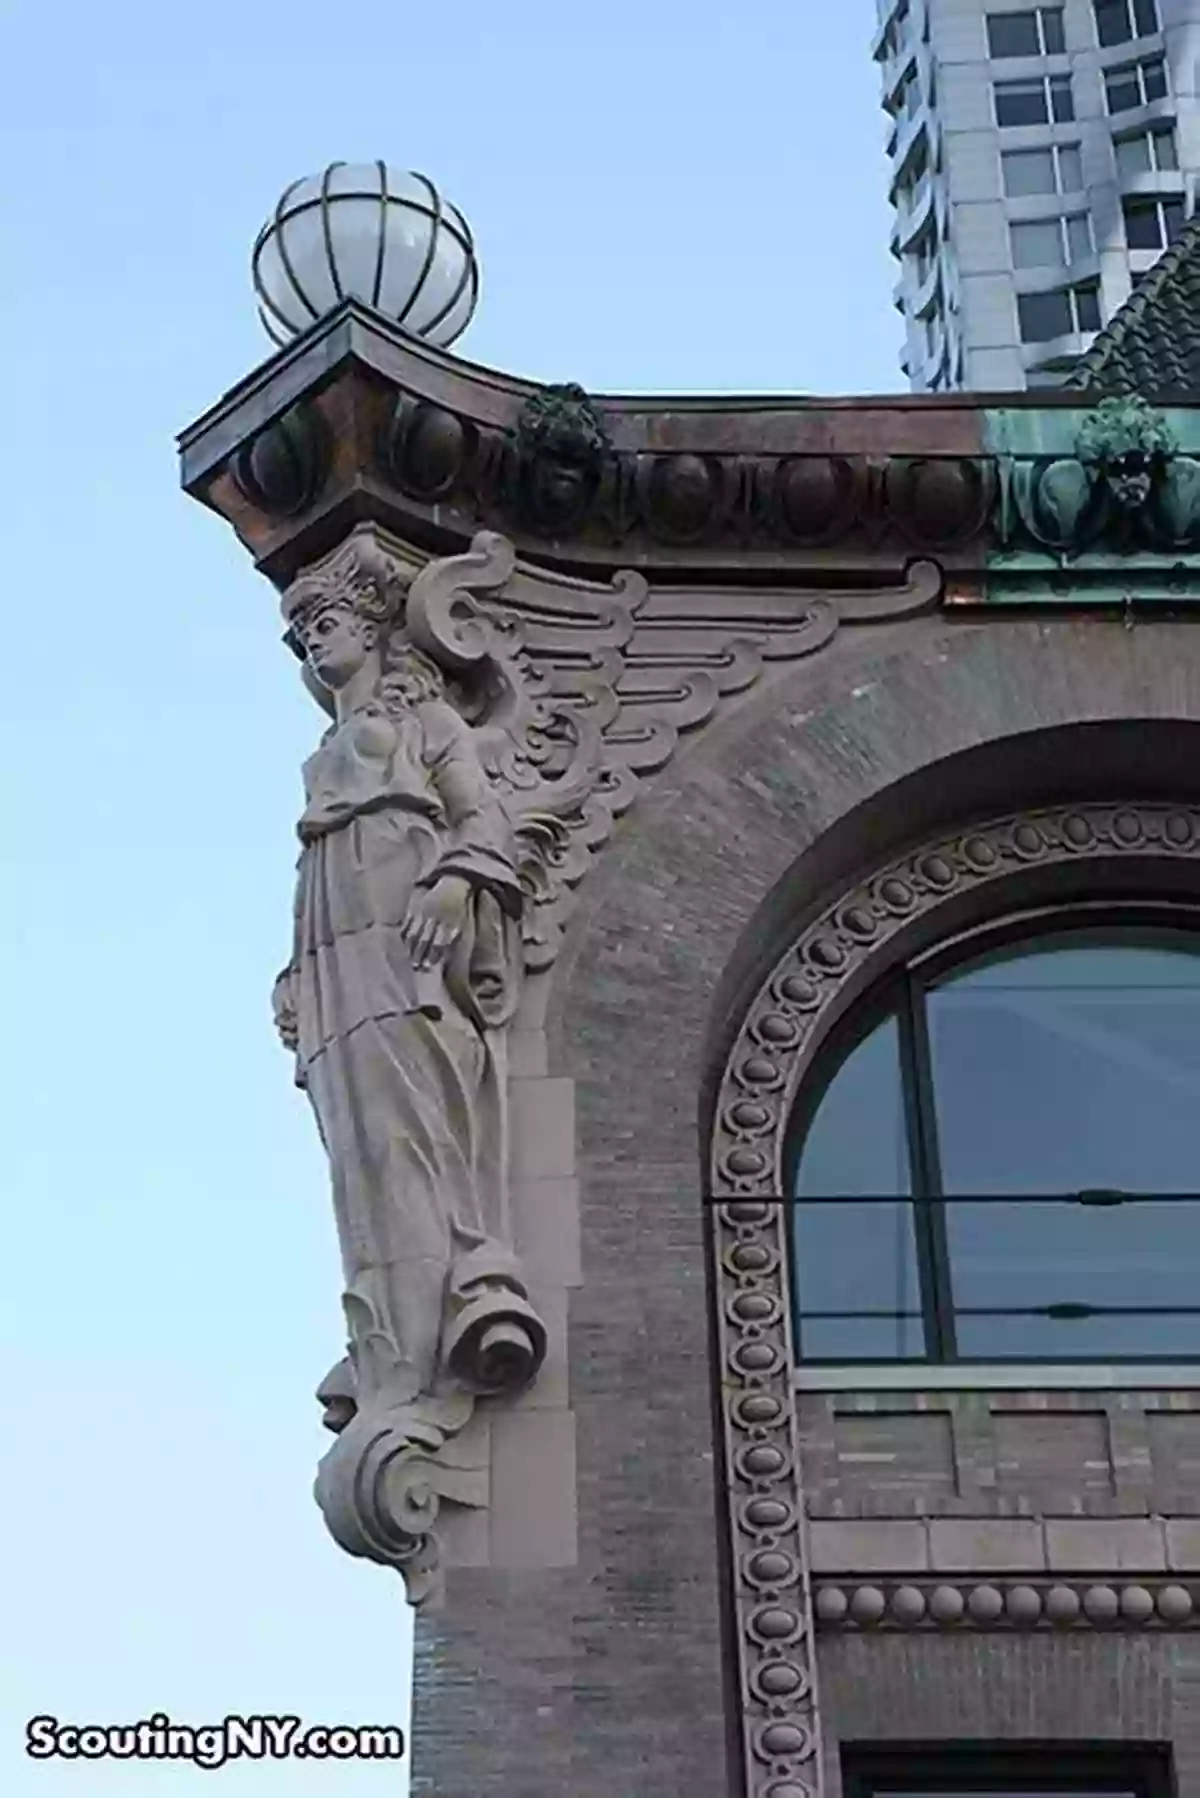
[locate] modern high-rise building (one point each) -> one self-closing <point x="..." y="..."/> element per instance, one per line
<point x="1042" y="158"/>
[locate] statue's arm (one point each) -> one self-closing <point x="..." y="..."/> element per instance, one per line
<point x="479" y="848"/>
<point x="284" y="998"/>
<point x="283" y="1004"/>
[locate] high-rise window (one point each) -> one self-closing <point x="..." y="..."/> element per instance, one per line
<point x="1062" y="313"/>
<point x="1149" y="153"/>
<point x="1058" y="169"/>
<point x="1135" y="84"/>
<point x="1119" y="20"/>
<point x="1152" y="224"/>
<point x="925" y="251"/>
<point x="1038" y="32"/>
<point x="1051" y="243"/>
<point x="1042" y="101"/>
<point x="907" y="99"/>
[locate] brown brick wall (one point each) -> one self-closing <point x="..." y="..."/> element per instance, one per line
<point x="1001" y="1454"/>
<point x="1061" y="1688"/>
<point x="605" y="1680"/>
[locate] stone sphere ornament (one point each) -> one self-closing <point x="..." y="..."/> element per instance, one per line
<point x="368" y="232"/>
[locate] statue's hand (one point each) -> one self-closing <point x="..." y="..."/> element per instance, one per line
<point x="435" y="918"/>
<point x="283" y="1003"/>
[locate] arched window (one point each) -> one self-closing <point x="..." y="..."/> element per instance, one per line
<point x="1002" y="1160"/>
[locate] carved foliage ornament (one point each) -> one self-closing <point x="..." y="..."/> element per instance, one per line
<point x="1126" y="488"/>
<point x="772" y="1596"/>
<point x="562" y="446"/>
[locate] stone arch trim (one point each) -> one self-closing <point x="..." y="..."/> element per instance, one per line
<point x="864" y="931"/>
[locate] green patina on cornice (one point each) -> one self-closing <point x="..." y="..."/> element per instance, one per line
<point x="1095" y="505"/>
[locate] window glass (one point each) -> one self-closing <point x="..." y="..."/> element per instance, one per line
<point x="1021" y="103"/>
<point x="1112" y="22"/>
<point x="1119" y="20"/>
<point x="1133" y="155"/>
<point x="842" y="1159"/>
<point x="1154" y="79"/>
<point x="1013" y="34"/>
<point x="1175" y="1337"/>
<point x="1062" y="99"/>
<point x="1079" y="236"/>
<point x="1122" y="89"/>
<point x="1058" y="1119"/>
<point x="1104" y="1037"/>
<point x="1053" y="39"/>
<point x="1068" y="1256"/>
<point x="1070" y="167"/>
<point x="860" y="1338"/>
<point x="1153" y="224"/>
<point x="1043" y="316"/>
<point x="1165" y="155"/>
<point x="1037" y="245"/>
<point x="855" y="1258"/>
<point x="1028" y="172"/>
<point x="1087" y="308"/>
<point x="1143" y="227"/>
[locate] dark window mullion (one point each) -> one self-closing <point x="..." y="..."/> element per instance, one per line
<point x="929" y="1221"/>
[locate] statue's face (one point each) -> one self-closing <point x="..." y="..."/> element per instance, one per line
<point x="1129" y="484"/>
<point x="336" y="643"/>
<point x="561" y="486"/>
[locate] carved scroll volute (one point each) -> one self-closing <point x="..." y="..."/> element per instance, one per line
<point x="443" y="618"/>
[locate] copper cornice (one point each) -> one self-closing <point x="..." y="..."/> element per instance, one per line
<point x="356" y="419"/>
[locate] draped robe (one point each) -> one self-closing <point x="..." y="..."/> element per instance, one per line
<point x="401" y="1065"/>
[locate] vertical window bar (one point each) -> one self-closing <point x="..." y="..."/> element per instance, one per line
<point x="929" y="1216"/>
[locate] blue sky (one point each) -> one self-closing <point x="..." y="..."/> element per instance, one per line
<point x="667" y="197"/>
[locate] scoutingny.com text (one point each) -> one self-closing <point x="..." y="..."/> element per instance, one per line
<point x="211" y="1745"/>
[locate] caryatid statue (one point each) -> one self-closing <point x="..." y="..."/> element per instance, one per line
<point x="414" y="873"/>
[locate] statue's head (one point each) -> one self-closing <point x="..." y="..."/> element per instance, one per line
<point x="336" y="641"/>
<point x="342" y="610"/>
<point x="563" y="442"/>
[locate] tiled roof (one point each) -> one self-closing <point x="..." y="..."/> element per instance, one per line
<point x="1152" y="345"/>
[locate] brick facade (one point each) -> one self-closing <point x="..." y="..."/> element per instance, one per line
<point x="607" y="1679"/>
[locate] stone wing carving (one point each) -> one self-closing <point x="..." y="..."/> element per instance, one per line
<point x="578" y="690"/>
